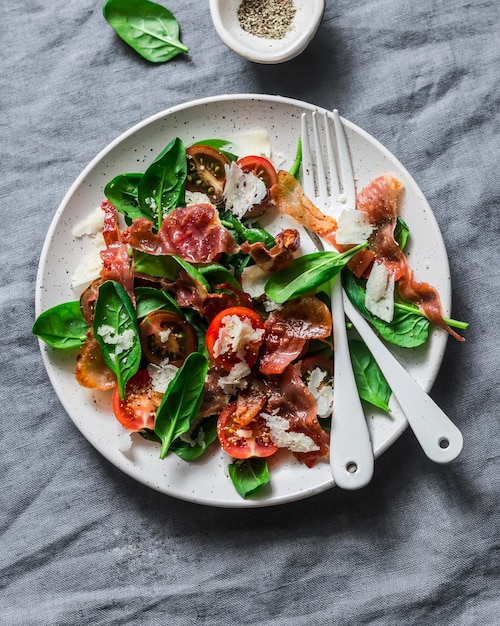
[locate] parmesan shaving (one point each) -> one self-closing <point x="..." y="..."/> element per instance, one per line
<point x="242" y="190"/>
<point x="90" y="267"/>
<point x="353" y="227"/>
<point x="379" y="297"/>
<point x="91" y="225"/>
<point x="254" y="142"/>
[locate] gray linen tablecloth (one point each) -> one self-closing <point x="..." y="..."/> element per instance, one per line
<point x="82" y="543"/>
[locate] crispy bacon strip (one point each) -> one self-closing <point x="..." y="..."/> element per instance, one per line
<point x="290" y="398"/>
<point x="226" y="297"/>
<point x="289" y="329"/>
<point x="214" y="398"/>
<point x="287" y="195"/>
<point x="380" y="200"/>
<point x="188" y="291"/>
<point x="250" y="402"/>
<point x="277" y="257"/>
<point x="115" y="257"/>
<point x="193" y="233"/>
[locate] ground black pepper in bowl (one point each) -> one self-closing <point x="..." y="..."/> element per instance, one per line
<point x="270" y="19"/>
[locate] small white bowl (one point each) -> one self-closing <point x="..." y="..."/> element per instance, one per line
<point x="259" y="49"/>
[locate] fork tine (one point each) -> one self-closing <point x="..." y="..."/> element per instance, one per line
<point x="332" y="168"/>
<point x="320" y="168"/>
<point x="345" y="165"/>
<point x="307" y="164"/>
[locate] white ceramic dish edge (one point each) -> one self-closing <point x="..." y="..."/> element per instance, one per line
<point x="439" y="340"/>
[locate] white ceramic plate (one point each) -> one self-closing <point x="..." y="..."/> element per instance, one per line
<point x="206" y="481"/>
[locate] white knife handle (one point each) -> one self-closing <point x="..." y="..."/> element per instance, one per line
<point x="440" y="439"/>
<point x="351" y="452"/>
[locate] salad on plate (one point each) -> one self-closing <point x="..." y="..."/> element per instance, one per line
<point x="206" y="325"/>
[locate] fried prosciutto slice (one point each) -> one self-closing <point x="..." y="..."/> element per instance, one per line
<point x="115" y="257"/>
<point x="279" y="256"/>
<point x="193" y="233"/>
<point x="380" y="200"/>
<point x="289" y="198"/>
<point x="289" y="329"/>
<point x="290" y="414"/>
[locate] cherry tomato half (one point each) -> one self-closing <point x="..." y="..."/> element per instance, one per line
<point x="166" y="335"/>
<point x="205" y="171"/>
<point x="226" y="349"/>
<point x="138" y="409"/>
<point x="91" y="369"/>
<point x="243" y="441"/>
<point x="263" y="169"/>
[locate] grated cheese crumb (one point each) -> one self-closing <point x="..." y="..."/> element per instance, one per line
<point x="235" y="335"/>
<point x="123" y="341"/>
<point x="196" y="197"/>
<point x="235" y="379"/>
<point x="162" y="375"/>
<point x="284" y="438"/>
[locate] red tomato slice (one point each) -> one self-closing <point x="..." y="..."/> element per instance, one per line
<point x="138" y="409"/>
<point x="263" y="169"/>
<point x="219" y="339"/>
<point x="243" y="441"/>
<point x="91" y="370"/>
<point x="260" y="167"/>
<point x="205" y="171"/>
<point x="166" y="335"/>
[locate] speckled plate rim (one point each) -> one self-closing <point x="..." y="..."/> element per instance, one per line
<point x="424" y="364"/>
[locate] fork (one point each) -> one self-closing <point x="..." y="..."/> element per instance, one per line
<point x="439" y="438"/>
<point x="351" y="452"/>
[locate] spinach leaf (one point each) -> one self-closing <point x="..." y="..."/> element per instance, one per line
<point x="122" y="192"/>
<point x="200" y="327"/>
<point x="237" y="261"/>
<point x="159" y="266"/>
<point x="218" y="144"/>
<point x="371" y="383"/>
<point x="409" y="328"/>
<point x="62" y="326"/>
<point x="117" y="333"/>
<point x="149" y="299"/>
<point x="181" y="402"/>
<point x="149" y="28"/>
<point x="163" y="184"/>
<point x="401" y="233"/>
<point x="295" y="169"/>
<point x="249" y="476"/>
<point x="306" y="273"/>
<point x="198" y="440"/>
<point x="193" y="271"/>
<point x="252" y="235"/>
<point x="217" y="274"/>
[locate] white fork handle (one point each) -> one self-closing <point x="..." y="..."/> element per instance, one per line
<point x="440" y="439"/>
<point x="351" y="452"/>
